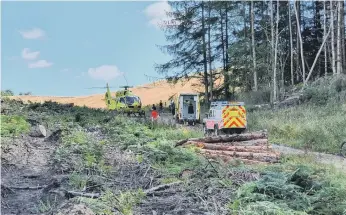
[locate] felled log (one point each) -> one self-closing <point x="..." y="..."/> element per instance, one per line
<point x="253" y="148"/>
<point x="259" y="142"/>
<point x="228" y="159"/>
<point x="228" y="138"/>
<point x="266" y="157"/>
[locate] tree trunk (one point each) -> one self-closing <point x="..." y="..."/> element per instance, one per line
<point x="248" y="155"/>
<point x="300" y="42"/>
<point x="223" y="43"/>
<point x="298" y="66"/>
<point x="253" y="46"/>
<point x="318" y="54"/>
<point x="209" y="54"/>
<point x="231" y="139"/>
<point x="227" y="93"/>
<point x="244" y="16"/>
<point x="332" y="36"/>
<point x="252" y="146"/>
<point x="256" y="149"/>
<point x="338" y="41"/>
<point x="324" y="36"/>
<point x="272" y="47"/>
<point x="205" y="58"/>
<point x="228" y="159"/>
<point x="291" y="41"/>
<point x="276" y="51"/>
<point x="343" y="36"/>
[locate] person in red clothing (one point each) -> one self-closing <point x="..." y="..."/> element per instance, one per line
<point x="154" y="113"/>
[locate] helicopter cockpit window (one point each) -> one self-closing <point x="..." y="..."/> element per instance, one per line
<point x="131" y="99"/>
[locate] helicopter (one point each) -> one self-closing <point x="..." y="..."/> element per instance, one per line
<point x="125" y="101"/>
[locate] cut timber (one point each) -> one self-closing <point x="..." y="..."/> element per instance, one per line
<point x="249" y="148"/>
<point x="254" y="148"/>
<point x="228" y="159"/>
<point x="228" y="138"/>
<point x="264" y="156"/>
<point x="259" y="142"/>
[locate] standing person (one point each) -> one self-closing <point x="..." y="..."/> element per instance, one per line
<point x="173" y="108"/>
<point x="161" y="106"/>
<point x="154" y="116"/>
<point x="153" y="107"/>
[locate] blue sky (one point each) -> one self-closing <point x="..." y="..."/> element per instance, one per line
<point x="61" y="48"/>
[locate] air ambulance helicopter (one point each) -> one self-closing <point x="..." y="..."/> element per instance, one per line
<point x="124" y="102"/>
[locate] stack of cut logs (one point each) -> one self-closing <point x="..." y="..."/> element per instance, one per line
<point x="250" y="148"/>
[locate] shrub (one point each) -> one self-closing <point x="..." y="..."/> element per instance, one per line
<point x="12" y="126"/>
<point x="291" y="189"/>
<point x="7" y="93"/>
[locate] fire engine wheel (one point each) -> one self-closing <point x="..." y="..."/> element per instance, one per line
<point x="205" y="131"/>
<point x="216" y="131"/>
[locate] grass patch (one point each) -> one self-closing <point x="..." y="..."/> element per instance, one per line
<point x="320" y="128"/>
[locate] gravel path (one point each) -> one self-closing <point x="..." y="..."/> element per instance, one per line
<point x="338" y="161"/>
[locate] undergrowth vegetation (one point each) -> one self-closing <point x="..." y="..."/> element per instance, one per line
<point x="292" y="189"/>
<point x="12" y="126"/>
<point x="318" y="124"/>
<point x="157" y="145"/>
<point x="318" y="128"/>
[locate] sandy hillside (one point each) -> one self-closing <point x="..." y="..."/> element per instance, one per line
<point x="149" y="94"/>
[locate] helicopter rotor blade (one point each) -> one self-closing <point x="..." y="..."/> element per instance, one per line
<point x="100" y="88"/>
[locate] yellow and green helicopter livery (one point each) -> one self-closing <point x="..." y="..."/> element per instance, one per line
<point x="124" y="102"/>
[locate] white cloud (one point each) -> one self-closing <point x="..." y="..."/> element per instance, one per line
<point x="28" y="55"/>
<point x="40" y="64"/>
<point x="34" y="33"/>
<point x="104" y="72"/>
<point x="156" y="12"/>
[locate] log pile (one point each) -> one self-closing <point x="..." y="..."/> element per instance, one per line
<point x="250" y="148"/>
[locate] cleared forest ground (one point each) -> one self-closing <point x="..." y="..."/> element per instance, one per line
<point x="93" y="163"/>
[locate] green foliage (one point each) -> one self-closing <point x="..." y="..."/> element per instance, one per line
<point x="108" y="202"/>
<point x="292" y="189"/>
<point x="12" y="126"/>
<point x="320" y="128"/>
<point x="261" y="96"/>
<point x="81" y="152"/>
<point x="46" y="206"/>
<point x="171" y="159"/>
<point x="7" y="93"/>
<point x="326" y="90"/>
<point x="157" y="145"/>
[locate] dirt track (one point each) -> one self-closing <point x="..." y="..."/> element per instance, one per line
<point x="337" y="161"/>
